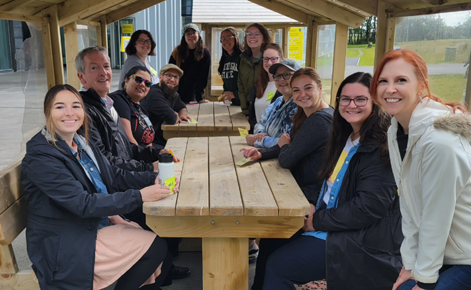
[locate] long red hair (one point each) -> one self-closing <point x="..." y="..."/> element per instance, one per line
<point x="421" y="73"/>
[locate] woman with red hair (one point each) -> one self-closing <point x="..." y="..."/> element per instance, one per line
<point x="431" y="161"/>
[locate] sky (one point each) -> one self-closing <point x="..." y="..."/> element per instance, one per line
<point x="455" y="18"/>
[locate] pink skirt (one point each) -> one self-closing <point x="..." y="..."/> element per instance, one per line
<point x="118" y="248"/>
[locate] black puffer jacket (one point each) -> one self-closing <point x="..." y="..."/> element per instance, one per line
<point x="364" y="231"/>
<point x="64" y="210"/>
<point x="111" y="138"/>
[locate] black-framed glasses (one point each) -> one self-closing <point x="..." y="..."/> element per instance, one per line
<point x="227" y="38"/>
<point x="253" y="34"/>
<point x="139" y="80"/>
<point x="142" y="41"/>
<point x="273" y="59"/>
<point x="172" y="76"/>
<point x="285" y="76"/>
<point x="358" y="101"/>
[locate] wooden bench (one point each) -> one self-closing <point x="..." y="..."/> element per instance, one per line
<point x="214" y="119"/>
<point x="12" y="222"/>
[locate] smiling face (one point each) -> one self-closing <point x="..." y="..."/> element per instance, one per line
<point x="398" y="89"/>
<point x="306" y="93"/>
<point x="255" y="39"/>
<point x="170" y="78"/>
<point x="228" y="41"/>
<point x="282" y="85"/>
<point x="143" y="45"/>
<point x="67" y="114"/>
<point x="353" y="114"/>
<point x="137" y="91"/>
<point x="97" y="74"/>
<point x="191" y="38"/>
<point x="268" y="56"/>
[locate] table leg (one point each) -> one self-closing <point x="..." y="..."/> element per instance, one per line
<point x="225" y="263"/>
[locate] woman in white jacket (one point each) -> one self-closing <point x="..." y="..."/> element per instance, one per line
<point x="431" y="161"/>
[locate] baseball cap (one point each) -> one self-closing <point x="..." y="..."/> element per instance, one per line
<point x="169" y="67"/>
<point x="191" y="26"/>
<point x="289" y="63"/>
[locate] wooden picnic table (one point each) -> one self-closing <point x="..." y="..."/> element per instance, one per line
<point x="214" y="119"/>
<point x="225" y="204"/>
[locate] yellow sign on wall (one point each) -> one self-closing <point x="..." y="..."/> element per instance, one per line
<point x="296" y="43"/>
<point x="124" y="42"/>
<point x="127" y="28"/>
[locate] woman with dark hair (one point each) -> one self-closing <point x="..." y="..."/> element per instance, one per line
<point x="195" y="61"/>
<point x="140" y="46"/>
<point x="255" y="40"/>
<point x="229" y="64"/>
<point x="431" y="160"/>
<point x="75" y="235"/>
<point x="302" y="152"/>
<point x="134" y="117"/>
<point x="353" y="234"/>
<point x="264" y="92"/>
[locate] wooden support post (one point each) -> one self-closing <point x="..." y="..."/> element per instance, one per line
<point x="207" y="43"/>
<point x="391" y="33"/>
<point x="56" y="44"/>
<point x="385" y="32"/>
<point x="71" y="50"/>
<point x="311" y="42"/>
<point x="467" y="98"/>
<point x="98" y="35"/>
<point x="10" y="276"/>
<point x="48" y="59"/>
<point x="340" y="59"/>
<point x="285" y="40"/>
<point x="104" y="32"/>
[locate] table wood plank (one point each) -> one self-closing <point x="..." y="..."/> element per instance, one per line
<point x="288" y="195"/>
<point x="239" y="120"/>
<point x="193" y="198"/>
<point x="256" y="193"/>
<point x="206" y="117"/>
<point x="193" y="111"/>
<point x="222" y="118"/>
<point x="166" y="206"/>
<point x="224" y="190"/>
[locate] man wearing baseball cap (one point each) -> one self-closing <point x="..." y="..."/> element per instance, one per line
<point x="163" y="102"/>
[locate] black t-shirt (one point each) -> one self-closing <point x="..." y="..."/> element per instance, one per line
<point x="141" y="126"/>
<point x="402" y="139"/>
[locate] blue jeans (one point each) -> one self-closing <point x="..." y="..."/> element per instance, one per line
<point x="298" y="262"/>
<point x="457" y="277"/>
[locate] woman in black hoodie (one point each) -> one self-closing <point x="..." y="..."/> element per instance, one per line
<point x="229" y="64"/>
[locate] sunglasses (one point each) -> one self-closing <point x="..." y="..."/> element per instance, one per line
<point x="139" y="80"/>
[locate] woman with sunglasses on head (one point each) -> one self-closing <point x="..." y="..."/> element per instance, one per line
<point x="277" y="118"/>
<point x="140" y="46"/>
<point x="302" y="152"/>
<point x="134" y="117"/>
<point x="264" y="92"/>
<point x="255" y="40"/>
<point x="74" y="197"/>
<point x="195" y="60"/>
<point x="229" y="64"/>
<point x="353" y="233"/>
<point x="431" y="160"/>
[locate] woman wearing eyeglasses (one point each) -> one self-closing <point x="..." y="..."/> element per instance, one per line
<point x="195" y="61"/>
<point x="134" y="117"/>
<point x="264" y="92"/>
<point x="140" y="46"/>
<point x="352" y="235"/>
<point x="229" y="64"/>
<point x="255" y="40"/>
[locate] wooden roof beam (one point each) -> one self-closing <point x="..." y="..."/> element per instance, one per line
<point x="21" y="17"/>
<point x="14" y="5"/>
<point x="431" y="10"/>
<point x="73" y="10"/>
<point x="130" y="9"/>
<point x="369" y="6"/>
<point x="283" y="9"/>
<point x="330" y="11"/>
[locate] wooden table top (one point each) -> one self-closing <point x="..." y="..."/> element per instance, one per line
<point x="212" y="186"/>
<point x="212" y="116"/>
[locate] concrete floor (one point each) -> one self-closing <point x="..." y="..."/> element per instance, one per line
<point x="21" y="116"/>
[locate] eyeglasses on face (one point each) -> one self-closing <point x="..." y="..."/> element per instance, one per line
<point x="253" y="34"/>
<point x="227" y="38"/>
<point x="358" y="101"/>
<point x="285" y="76"/>
<point x="142" y="41"/>
<point x="190" y="32"/>
<point x="139" y="80"/>
<point x="172" y="76"/>
<point x="273" y="59"/>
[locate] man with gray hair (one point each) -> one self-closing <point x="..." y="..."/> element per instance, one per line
<point x="94" y="71"/>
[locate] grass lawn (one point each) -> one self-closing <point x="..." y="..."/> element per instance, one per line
<point x="367" y="57"/>
<point x="448" y="87"/>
